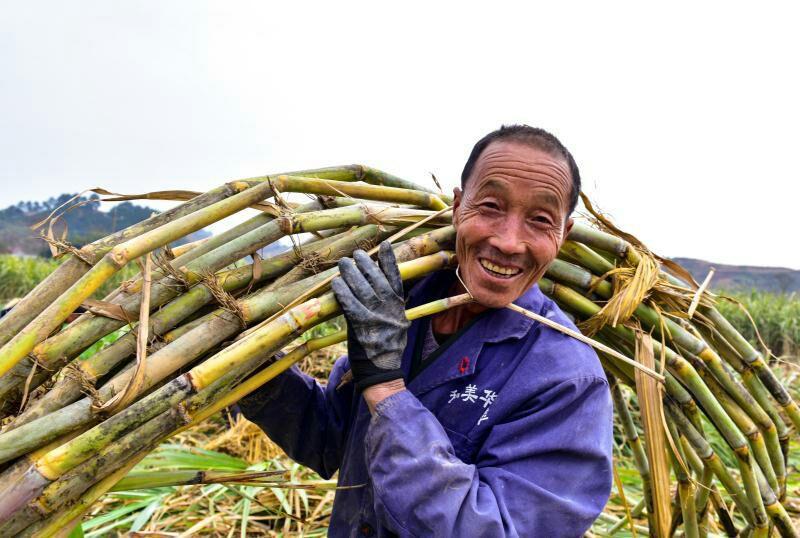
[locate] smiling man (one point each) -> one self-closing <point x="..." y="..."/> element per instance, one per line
<point x="479" y="421"/>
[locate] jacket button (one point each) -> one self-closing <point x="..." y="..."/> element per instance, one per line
<point x="366" y="529"/>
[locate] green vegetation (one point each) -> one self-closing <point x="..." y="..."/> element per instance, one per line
<point x="777" y="318"/>
<point x="20" y="274"/>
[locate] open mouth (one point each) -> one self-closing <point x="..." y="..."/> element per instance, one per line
<point x="499" y="271"/>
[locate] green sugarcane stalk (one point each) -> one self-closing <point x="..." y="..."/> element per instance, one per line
<point x="68" y="389"/>
<point x="52" y="353"/>
<point x="216" y="328"/>
<point x="203" y="404"/>
<point x="63" y="459"/>
<point x="55" y="351"/>
<point x="286" y="183"/>
<point x="48" y="320"/>
<point x="207" y="246"/>
<point x="689" y="377"/>
<point x="755" y="361"/>
<point x="746" y="351"/>
<point x="703" y="477"/>
<point x="52" y="316"/>
<point x="709" y="458"/>
<point x="760" y="452"/>
<point x="771" y="461"/>
<point x="160" y="479"/>
<point x="77" y="481"/>
<point x="633" y="440"/>
<point x="754" y="385"/>
<point x="686" y="490"/>
<point x="49" y="289"/>
<point x="377" y="177"/>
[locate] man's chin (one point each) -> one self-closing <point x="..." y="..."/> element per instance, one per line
<point x="492" y="300"/>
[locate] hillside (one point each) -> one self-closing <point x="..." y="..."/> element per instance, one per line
<point x="86" y="222"/>
<point x="744" y="277"/>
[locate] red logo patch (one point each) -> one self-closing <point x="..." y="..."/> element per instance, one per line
<point x="463" y="365"/>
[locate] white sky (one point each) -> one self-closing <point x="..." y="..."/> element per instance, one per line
<point x="683" y="119"/>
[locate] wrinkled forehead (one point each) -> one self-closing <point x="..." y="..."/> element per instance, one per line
<point x="518" y="160"/>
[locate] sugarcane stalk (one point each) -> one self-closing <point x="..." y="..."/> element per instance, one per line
<point x="286" y="183"/>
<point x="762" y="455"/>
<point x="686" y="490"/>
<point x="48" y="320"/>
<point x="69" y="485"/>
<point x="666" y="327"/>
<point x="75" y="483"/>
<point x="585" y="257"/>
<point x="596" y="264"/>
<point x="56" y="350"/>
<point x="689" y="377"/>
<point x="63" y="459"/>
<point x="377" y="177"/>
<point x="707" y="490"/>
<point x="69" y="517"/>
<point x="68" y="389"/>
<point x="754" y="385"/>
<point x="709" y="458"/>
<point x="638" y="508"/>
<point x="86" y="331"/>
<point x="633" y="440"/>
<point x="217" y="327"/>
<point x="49" y="289"/>
<point x="52" y="316"/>
<point x="329" y="254"/>
<point x="210" y="244"/>
<point x="160" y="479"/>
<point x="755" y="361"/>
<point x="772" y="465"/>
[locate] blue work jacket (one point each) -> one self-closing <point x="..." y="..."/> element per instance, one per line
<point x="507" y="432"/>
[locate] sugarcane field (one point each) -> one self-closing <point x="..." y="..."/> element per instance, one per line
<point x="442" y="269"/>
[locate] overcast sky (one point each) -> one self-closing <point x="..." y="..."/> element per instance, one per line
<point x="683" y="120"/>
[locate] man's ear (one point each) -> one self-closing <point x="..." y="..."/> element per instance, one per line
<point x="457" y="194"/>
<point x="567" y="229"/>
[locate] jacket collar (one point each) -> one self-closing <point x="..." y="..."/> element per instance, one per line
<point x="461" y="357"/>
<point x="494" y="326"/>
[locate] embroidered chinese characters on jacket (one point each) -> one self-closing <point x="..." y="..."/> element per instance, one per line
<point x="473" y="395"/>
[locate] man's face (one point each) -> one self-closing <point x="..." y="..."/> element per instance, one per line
<point x="510" y="221"/>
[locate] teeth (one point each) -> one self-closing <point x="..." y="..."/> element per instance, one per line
<point x="498" y="269"/>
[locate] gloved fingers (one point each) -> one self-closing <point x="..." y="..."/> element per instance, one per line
<point x="359" y="285"/>
<point x="373" y="274"/>
<point x="388" y="264"/>
<point x="352" y="308"/>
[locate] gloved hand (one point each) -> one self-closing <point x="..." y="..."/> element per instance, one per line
<point x="371" y="297"/>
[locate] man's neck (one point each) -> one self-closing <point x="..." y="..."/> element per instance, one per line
<point x="453" y="320"/>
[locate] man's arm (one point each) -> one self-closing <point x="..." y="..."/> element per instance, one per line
<point x="544" y="471"/>
<point x="308" y="421"/>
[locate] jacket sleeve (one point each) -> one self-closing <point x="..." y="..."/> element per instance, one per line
<point x="307" y="420"/>
<point x="543" y="471"/>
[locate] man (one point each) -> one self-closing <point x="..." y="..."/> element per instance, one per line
<point x="479" y="421"/>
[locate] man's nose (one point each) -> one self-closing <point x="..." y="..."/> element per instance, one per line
<point x="509" y="237"/>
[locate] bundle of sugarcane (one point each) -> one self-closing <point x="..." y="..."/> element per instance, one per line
<point x="193" y="333"/>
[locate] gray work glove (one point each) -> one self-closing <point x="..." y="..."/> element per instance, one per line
<point x="371" y="297"/>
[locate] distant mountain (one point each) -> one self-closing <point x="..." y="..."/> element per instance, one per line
<point x="744" y="277"/>
<point x="85" y="223"/>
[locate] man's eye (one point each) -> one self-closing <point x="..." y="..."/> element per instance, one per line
<point x="490" y="205"/>
<point x="542" y="220"/>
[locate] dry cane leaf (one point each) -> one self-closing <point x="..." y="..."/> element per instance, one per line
<point x="652" y="412"/>
<point x="134" y="386"/>
<point x="106" y="309"/>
